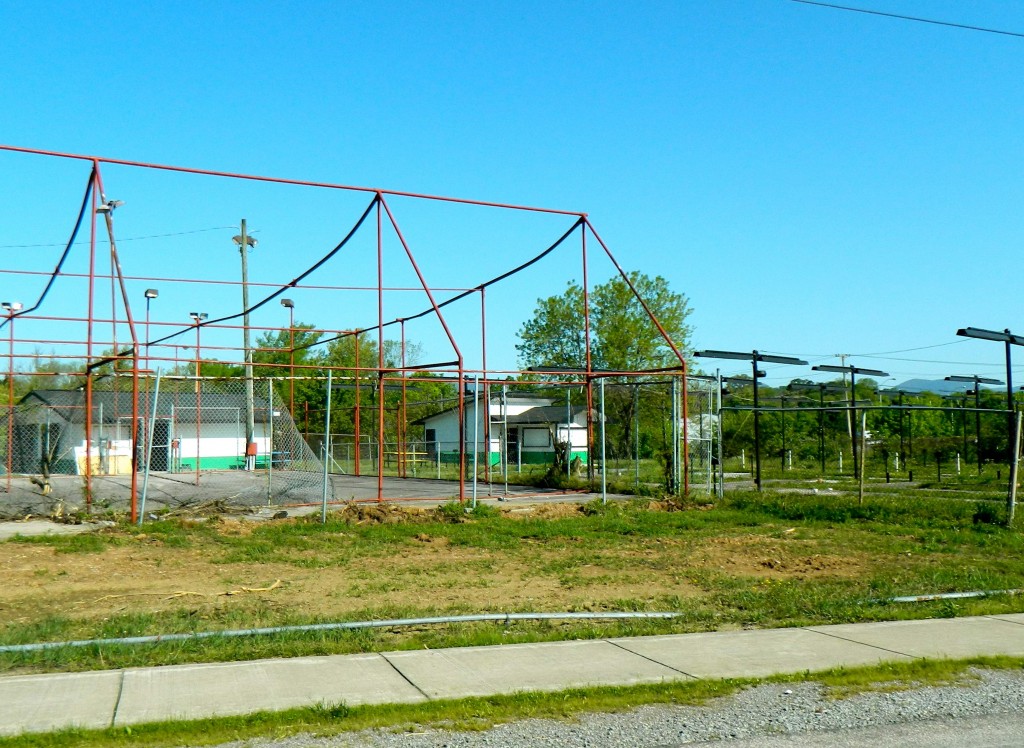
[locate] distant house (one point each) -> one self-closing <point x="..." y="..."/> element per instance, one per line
<point x="528" y="428"/>
<point x="51" y="424"/>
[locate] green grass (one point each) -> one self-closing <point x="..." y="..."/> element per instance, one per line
<point x="900" y="545"/>
<point x="478" y="714"/>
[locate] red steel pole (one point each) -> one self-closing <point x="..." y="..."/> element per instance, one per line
<point x="359" y="449"/>
<point x="89" y="339"/>
<point x="586" y="349"/>
<point x="380" y="353"/>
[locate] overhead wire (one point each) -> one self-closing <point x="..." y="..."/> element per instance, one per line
<point x="64" y="254"/>
<point x="916" y="19"/>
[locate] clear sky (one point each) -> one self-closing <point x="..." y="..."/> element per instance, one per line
<point x="815" y="181"/>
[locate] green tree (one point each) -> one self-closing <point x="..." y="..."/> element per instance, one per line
<point x="623" y="336"/>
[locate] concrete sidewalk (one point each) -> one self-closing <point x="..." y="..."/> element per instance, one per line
<point x="39" y="703"/>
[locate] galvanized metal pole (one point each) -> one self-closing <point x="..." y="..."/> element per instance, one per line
<point x="149" y="445"/>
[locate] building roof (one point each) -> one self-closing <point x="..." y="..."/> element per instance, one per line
<point x="109" y="406"/>
<point x="546" y="414"/>
<point x="541" y="415"/>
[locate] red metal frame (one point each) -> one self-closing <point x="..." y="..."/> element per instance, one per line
<point x="380" y="198"/>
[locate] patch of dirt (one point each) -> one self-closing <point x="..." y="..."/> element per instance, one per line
<point x="545" y="511"/>
<point x="383" y="513"/>
<point x="760" y="556"/>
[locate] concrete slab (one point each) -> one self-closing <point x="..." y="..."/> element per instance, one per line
<point x="551" y="666"/>
<point x="41" y="703"/>
<point x="225" y="689"/>
<point x="1011" y="617"/>
<point x="33" y="527"/>
<point x="754" y="654"/>
<point x="942" y="638"/>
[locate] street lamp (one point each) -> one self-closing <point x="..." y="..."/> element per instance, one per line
<point x="754" y="357"/>
<point x="11" y="308"/>
<point x="852" y="371"/>
<point x="151" y="293"/>
<point x="1007" y="338"/>
<point x="244" y="242"/>
<point x="978" y="381"/>
<point x="290" y="306"/>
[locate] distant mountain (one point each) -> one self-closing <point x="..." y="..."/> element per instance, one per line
<point x="937" y="386"/>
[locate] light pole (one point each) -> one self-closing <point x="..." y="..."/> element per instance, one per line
<point x="244" y="242"/>
<point x="852" y="371"/>
<point x="977" y="381"/>
<point x="754" y="357"/>
<point x="290" y="306"/>
<point x="151" y="293"/>
<point x="1007" y="338"/>
<point x="11" y="308"/>
<point x="198" y="318"/>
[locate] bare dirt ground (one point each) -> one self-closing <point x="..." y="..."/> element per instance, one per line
<point x="142" y="573"/>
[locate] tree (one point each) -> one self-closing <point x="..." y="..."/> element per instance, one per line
<point x="623" y="336"/>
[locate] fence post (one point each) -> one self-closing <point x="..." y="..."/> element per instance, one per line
<point x="270" y="439"/>
<point x="1011" y="500"/>
<point x="863" y="455"/>
<point x="476" y="429"/>
<point x="326" y="448"/>
<point x="149" y="445"/>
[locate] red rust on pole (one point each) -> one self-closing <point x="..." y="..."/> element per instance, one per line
<point x="380" y="352"/>
<point x="589" y="367"/>
<point x="280" y="180"/>
<point x="487" y="391"/>
<point x="10" y="400"/>
<point x="664" y="335"/>
<point x="358" y="374"/>
<point x="89" y="338"/>
<point x="402" y="447"/>
<point x="115" y="263"/>
<point x="455" y="348"/>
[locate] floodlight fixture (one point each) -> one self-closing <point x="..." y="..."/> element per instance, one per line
<point x="851" y="370"/>
<point x="974" y="379"/>
<point x="109" y="206"/>
<point x="287" y="303"/>
<point x="198" y="316"/>
<point x="247" y="240"/>
<point x="152" y="293"/>
<point x="12" y="306"/>
<point x="1000" y="337"/>
<point x="1008" y="339"/>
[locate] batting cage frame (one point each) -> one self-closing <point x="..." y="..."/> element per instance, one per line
<point x="122" y="413"/>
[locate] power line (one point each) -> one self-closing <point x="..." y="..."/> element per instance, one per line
<point x="119" y="239"/>
<point x="910" y="18"/>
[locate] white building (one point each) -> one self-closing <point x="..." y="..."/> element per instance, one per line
<point x="527" y="429"/>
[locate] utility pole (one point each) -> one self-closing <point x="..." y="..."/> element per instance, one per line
<point x="849" y="421"/>
<point x="244" y="241"/>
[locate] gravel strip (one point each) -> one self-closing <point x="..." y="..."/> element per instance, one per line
<point x="764" y="710"/>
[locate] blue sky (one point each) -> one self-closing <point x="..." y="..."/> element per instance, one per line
<point x="815" y="181"/>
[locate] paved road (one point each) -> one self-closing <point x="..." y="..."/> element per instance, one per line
<point x="996" y="731"/>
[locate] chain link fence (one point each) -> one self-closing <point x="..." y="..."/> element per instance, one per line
<point x="927" y="448"/>
<point x="185" y="441"/>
